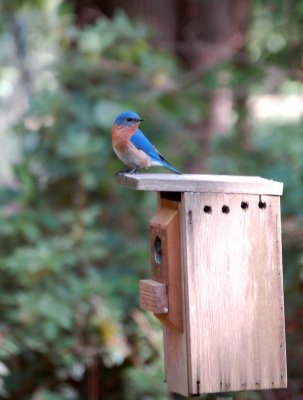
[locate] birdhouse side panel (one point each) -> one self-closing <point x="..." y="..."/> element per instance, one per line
<point x="233" y="292"/>
<point x="166" y="268"/>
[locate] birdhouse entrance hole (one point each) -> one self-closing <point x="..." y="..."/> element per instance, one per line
<point x="158" y="250"/>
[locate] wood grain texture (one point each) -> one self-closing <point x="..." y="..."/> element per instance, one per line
<point x="166" y="224"/>
<point x="165" y="227"/>
<point x="153" y="296"/>
<point x="232" y="268"/>
<point x="175" y="356"/>
<point x="201" y="183"/>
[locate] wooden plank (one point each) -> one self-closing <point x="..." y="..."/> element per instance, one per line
<point x="200" y="183"/>
<point x="166" y="265"/>
<point x="166" y="224"/>
<point x="233" y="291"/>
<point x="175" y="355"/>
<point x="153" y="296"/>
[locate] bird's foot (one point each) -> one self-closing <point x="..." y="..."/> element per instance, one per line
<point x="128" y="171"/>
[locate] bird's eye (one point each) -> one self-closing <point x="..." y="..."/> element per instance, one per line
<point x="129" y="119"/>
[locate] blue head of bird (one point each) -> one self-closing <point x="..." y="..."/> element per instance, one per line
<point x="128" y="118"/>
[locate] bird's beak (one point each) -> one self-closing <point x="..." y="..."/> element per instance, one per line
<point x="139" y="119"/>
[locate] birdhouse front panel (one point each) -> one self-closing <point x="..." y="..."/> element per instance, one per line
<point x="233" y="291"/>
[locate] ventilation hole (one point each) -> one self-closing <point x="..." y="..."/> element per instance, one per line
<point x="190" y="217"/>
<point x="244" y="205"/>
<point x="225" y="209"/>
<point x="262" y="205"/>
<point x="158" y="250"/>
<point x="207" y="209"/>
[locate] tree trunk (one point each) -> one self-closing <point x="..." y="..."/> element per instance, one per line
<point x="211" y="32"/>
<point x="160" y="15"/>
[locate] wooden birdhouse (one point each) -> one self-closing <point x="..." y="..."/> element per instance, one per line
<point x="216" y="282"/>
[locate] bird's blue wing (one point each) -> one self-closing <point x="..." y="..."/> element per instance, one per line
<point x="139" y="140"/>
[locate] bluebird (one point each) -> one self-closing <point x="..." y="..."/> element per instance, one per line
<point x="132" y="146"/>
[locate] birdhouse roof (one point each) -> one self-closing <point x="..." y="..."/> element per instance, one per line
<point x="201" y="183"/>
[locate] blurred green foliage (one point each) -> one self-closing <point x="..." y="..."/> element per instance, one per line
<point x="73" y="245"/>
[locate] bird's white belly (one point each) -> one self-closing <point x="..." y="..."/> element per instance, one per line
<point x="133" y="157"/>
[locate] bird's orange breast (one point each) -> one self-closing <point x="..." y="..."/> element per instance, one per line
<point x="124" y="148"/>
<point x="121" y="135"/>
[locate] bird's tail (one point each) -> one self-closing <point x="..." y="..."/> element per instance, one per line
<point x="162" y="162"/>
<point x="171" y="168"/>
